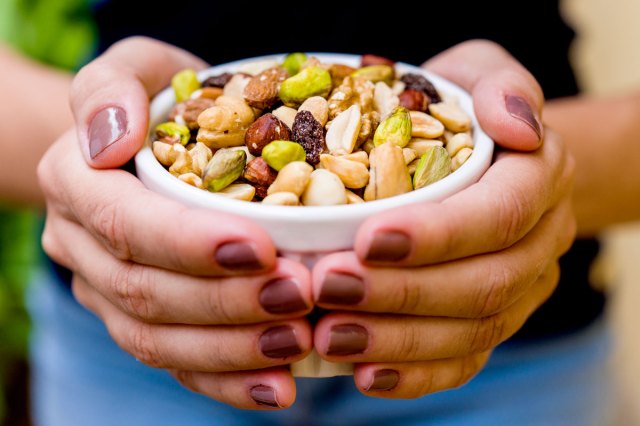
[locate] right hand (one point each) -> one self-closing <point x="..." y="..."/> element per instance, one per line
<point x="196" y="292"/>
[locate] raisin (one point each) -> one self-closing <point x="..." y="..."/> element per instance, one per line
<point x="308" y="132"/>
<point x="217" y="80"/>
<point x="420" y="83"/>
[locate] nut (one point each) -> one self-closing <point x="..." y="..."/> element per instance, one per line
<point x="370" y="59"/>
<point x="164" y="152"/>
<point x="285" y="114"/>
<point x="262" y="90"/>
<point x="242" y="148"/>
<point x="257" y="171"/>
<point x="422" y="84"/>
<point x="293" y="62"/>
<point x="352" y="173"/>
<point x="183" y="163"/>
<point x="434" y="165"/>
<point x="461" y="157"/>
<point x="344" y="130"/>
<point x="425" y="126"/>
<point x="219" y="80"/>
<point x="184" y="83"/>
<point x="352" y="91"/>
<point x="458" y="142"/>
<point x="324" y="189"/>
<point x="384" y="100"/>
<point x="293" y="177"/>
<point x="238" y="191"/>
<point x="388" y="175"/>
<point x="256" y="67"/>
<point x="225" y="123"/>
<point x="236" y="84"/>
<point x="412" y="166"/>
<point x="395" y="129"/>
<point x="191" y="179"/>
<point x="187" y="112"/>
<point x="200" y="156"/>
<point x="278" y="154"/>
<point x="282" y="199"/>
<point x="171" y="133"/>
<point x="224" y="167"/>
<point x="312" y="81"/>
<point x="369" y="123"/>
<point x="451" y="116"/>
<point x="359" y="156"/>
<point x="375" y="73"/>
<point x="414" y="100"/>
<point x="318" y="107"/>
<point x="339" y="72"/>
<point x="265" y="129"/>
<point x="212" y="93"/>
<point x="352" y="198"/>
<point x="420" y="146"/>
<point x="368" y="146"/>
<point x="409" y="155"/>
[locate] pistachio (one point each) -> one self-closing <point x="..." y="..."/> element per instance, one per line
<point x="384" y="100"/>
<point x="434" y="165"/>
<point x="352" y="173"/>
<point x="285" y="114"/>
<point x="353" y="198"/>
<point x="420" y="146"/>
<point x="191" y="179"/>
<point x="293" y="62"/>
<point x="184" y="83"/>
<point x="458" y="142"/>
<point x="396" y="128"/>
<point x="324" y="189"/>
<point x="375" y="73"/>
<point x="238" y="191"/>
<point x="293" y="177"/>
<point x="242" y="148"/>
<point x="278" y="154"/>
<point x="389" y="175"/>
<point x="223" y="169"/>
<point x="451" y="116"/>
<point x="343" y="132"/>
<point x="318" y="107"/>
<point x="282" y="199"/>
<point x="171" y="132"/>
<point x="312" y="81"/>
<point x="187" y="112"/>
<point x="425" y="126"/>
<point x="461" y="157"/>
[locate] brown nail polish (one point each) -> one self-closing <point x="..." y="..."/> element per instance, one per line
<point x="389" y="246"/>
<point x="519" y="108"/>
<point x="341" y="289"/>
<point x="279" y="342"/>
<point x="347" y="339"/>
<point x="264" y="395"/>
<point x="239" y="256"/>
<point x="383" y="380"/>
<point x="281" y="296"/>
<point x="107" y="127"/>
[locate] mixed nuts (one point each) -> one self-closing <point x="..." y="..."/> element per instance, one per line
<point x="304" y="132"/>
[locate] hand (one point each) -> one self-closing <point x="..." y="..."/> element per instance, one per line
<point x="459" y="276"/>
<point x="193" y="291"/>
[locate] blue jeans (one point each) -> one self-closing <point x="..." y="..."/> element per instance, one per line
<point x="81" y="377"/>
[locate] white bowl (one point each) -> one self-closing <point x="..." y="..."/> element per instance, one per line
<point x="304" y="233"/>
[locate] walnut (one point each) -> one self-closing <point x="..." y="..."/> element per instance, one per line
<point x="352" y="91"/>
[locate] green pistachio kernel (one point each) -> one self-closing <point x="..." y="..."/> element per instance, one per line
<point x="396" y="128"/>
<point x="293" y="62"/>
<point x="312" y="81"/>
<point x="278" y="154"/>
<point x="184" y="83"/>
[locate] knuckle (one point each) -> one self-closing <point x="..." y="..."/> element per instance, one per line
<point x="485" y="333"/>
<point x="498" y="291"/>
<point x="141" y="344"/>
<point x="131" y="290"/>
<point x="108" y="223"/>
<point x="220" y="311"/>
<point x="512" y="217"/>
<point x="410" y="348"/>
<point x="408" y="296"/>
<point x="428" y="383"/>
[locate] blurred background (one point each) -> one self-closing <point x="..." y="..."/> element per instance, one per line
<point x="607" y="60"/>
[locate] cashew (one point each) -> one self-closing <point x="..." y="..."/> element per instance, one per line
<point x="293" y="177"/>
<point x="324" y="189"/>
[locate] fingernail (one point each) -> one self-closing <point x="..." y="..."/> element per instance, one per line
<point x="239" y="256"/>
<point x="279" y="342"/>
<point x="347" y="339"/>
<point x="341" y="289"/>
<point x="106" y="127"/>
<point x="281" y="296"/>
<point x="264" y="395"/>
<point x="389" y="246"/>
<point x="383" y="380"/>
<point x="519" y="108"/>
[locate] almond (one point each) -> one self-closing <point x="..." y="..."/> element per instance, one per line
<point x="262" y="90"/>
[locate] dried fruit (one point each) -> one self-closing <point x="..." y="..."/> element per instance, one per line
<point x="262" y="90"/>
<point x="219" y="80"/>
<point x="278" y="154"/>
<point x="388" y="175"/>
<point x="395" y="129"/>
<point x="420" y="83"/>
<point x="309" y="134"/>
<point x="293" y="62"/>
<point x="414" y="100"/>
<point x="375" y="73"/>
<point x="223" y="169"/>
<point x="434" y="165"/>
<point x="258" y="172"/>
<point x="324" y="189"/>
<point x="171" y="133"/>
<point x="312" y="81"/>
<point x="451" y="116"/>
<point x="184" y="83"/>
<point x="264" y="130"/>
<point x="293" y="177"/>
<point x="187" y="112"/>
<point x="344" y="130"/>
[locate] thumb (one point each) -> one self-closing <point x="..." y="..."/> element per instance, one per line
<point x="507" y="99"/>
<point x="110" y="97"/>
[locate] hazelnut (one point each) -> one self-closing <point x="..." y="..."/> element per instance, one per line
<point x="414" y="100"/>
<point x="370" y="59"/>
<point x="258" y="172"/>
<point x="263" y="131"/>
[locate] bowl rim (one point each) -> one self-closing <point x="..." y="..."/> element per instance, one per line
<point x="483" y="150"/>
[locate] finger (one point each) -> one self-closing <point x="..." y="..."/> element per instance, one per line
<point x="268" y="389"/>
<point x="473" y="287"/>
<point x="488" y="216"/>
<point x="110" y="97"/>
<point x="507" y="99"/>
<point x="416" y="379"/>
<point x="354" y="337"/>
<point x="135" y="224"/>
<point x="197" y="347"/>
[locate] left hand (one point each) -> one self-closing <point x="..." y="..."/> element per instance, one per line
<point x="460" y="276"/>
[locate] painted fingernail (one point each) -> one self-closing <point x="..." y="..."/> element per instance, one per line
<point x="347" y="339"/>
<point x="279" y="342"/>
<point x="389" y="246"/>
<point x="383" y="380"/>
<point x="519" y="108"/>
<point x="281" y="296"/>
<point x="341" y="289"/>
<point x="107" y="127"/>
<point x="239" y="256"/>
<point x="264" y="395"/>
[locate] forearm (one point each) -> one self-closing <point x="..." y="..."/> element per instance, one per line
<point x="34" y="111"/>
<point x="604" y="137"/>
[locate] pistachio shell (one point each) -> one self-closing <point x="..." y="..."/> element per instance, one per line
<point x="174" y="131"/>
<point x="434" y="165"/>
<point x="223" y="169"/>
<point x="184" y="83"/>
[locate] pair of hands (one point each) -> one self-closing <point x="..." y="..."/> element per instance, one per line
<point x="204" y="295"/>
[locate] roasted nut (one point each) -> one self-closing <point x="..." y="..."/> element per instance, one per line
<point x="238" y="191"/>
<point x="164" y="152"/>
<point x="184" y="83"/>
<point x="368" y="125"/>
<point x="318" y="107"/>
<point x="219" y="80"/>
<point x="458" y="142"/>
<point x="282" y="199"/>
<point x="451" y="116"/>
<point x="191" y="179"/>
<point x="257" y="171"/>
<point x="352" y="173"/>
<point x="352" y="91"/>
<point x="344" y="130"/>
<point x="187" y="112"/>
<point x="414" y="100"/>
<point x="223" y="169"/>
<point x="324" y="189"/>
<point x="200" y="156"/>
<point x="264" y="130"/>
<point x="368" y="146"/>
<point x="242" y="148"/>
<point x="262" y="90"/>
<point x="309" y="134"/>
<point x="384" y="100"/>
<point x="395" y="129"/>
<point x="370" y="59"/>
<point x="293" y="62"/>
<point x="225" y="123"/>
<point x="359" y="156"/>
<point x="461" y="157"/>
<point x="420" y="146"/>
<point x="212" y="93"/>
<point x="413" y="166"/>
<point x="353" y="198"/>
<point x="409" y="155"/>
<point x="293" y="177"/>
<point x="285" y="114"/>
<point x="235" y="86"/>
<point x="339" y="72"/>
<point x="434" y="165"/>
<point x="171" y="133"/>
<point x="183" y="163"/>
<point x="312" y="81"/>
<point x="422" y="84"/>
<point x="278" y="154"/>
<point x="388" y="175"/>
<point x="375" y="73"/>
<point x="425" y="126"/>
